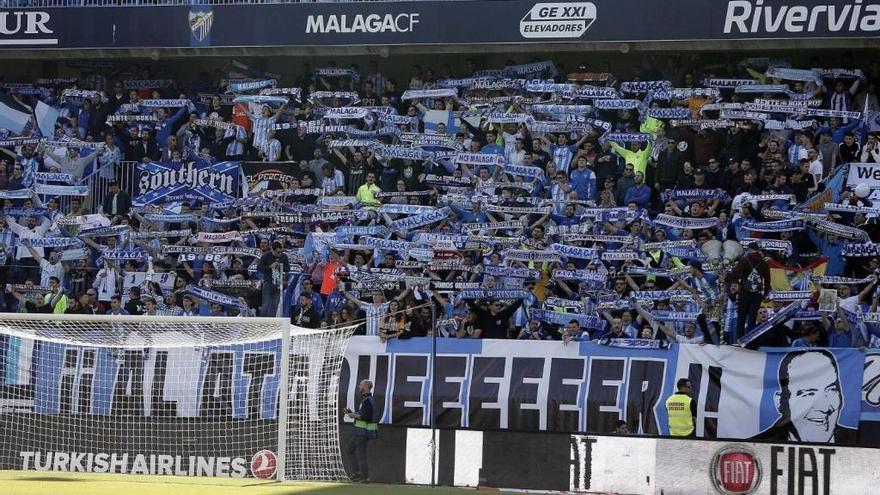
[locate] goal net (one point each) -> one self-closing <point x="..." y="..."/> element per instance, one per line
<point x="178" y="396"/>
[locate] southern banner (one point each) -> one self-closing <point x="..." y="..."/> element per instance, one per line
<point x="169" y="182"/>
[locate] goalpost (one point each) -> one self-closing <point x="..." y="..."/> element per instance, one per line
<point x="187" y="396"/>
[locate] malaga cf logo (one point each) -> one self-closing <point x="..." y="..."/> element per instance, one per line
<point x="263" y="464"/>
<point x="735" y="471"/>
<point x="200" y="24"/>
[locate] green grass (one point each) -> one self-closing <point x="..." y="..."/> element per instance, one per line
<point x="45" y="483"/>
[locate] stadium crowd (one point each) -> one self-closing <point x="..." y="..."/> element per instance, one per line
<point x="692" y="204"/>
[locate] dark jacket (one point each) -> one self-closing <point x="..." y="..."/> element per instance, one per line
<point x="123" y="204"/>
<point x="148" y="149"/>
<point x="745" y="266"/>
<point x="306" y="318"/>
<point x="493" y="326"/>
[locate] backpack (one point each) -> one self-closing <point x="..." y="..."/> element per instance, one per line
<point x="754" y="281"/>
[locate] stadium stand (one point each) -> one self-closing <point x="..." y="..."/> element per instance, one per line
<point x="688" y="204"/>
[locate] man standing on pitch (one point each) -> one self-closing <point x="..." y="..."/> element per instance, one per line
<point x="365" y="429"/>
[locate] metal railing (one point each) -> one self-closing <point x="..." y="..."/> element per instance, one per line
<point x="36" y="4"/>
<point x="124" y="172"/>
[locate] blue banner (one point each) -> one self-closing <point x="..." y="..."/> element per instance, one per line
<point x="169" y="182"/>
<point x="588" y="387"/>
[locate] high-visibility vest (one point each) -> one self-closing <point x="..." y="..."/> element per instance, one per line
<point x="366" y="429"/>
<point x="369" y="429"/>
<point x="678" y="408"/>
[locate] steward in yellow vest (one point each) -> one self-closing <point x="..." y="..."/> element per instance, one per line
<point x="681" y="410"/>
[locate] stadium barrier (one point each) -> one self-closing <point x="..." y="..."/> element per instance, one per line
<point x="617" y="464"/>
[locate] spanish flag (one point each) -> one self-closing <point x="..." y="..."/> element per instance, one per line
<point x="784" y="278"/>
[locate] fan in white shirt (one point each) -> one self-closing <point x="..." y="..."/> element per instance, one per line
<point x="49" y="268"/>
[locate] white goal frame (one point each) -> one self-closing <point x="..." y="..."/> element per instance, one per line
<point x="282" y="329"/>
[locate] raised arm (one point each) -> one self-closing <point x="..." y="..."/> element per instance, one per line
<point x="35" y="255"/>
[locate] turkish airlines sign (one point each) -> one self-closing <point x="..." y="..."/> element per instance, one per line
<point x="28" y="27"/>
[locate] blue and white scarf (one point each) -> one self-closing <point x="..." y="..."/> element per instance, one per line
<point x="628" y="137"/>
<point x="170" y="217"/>
<point x="546" y="68"/>
<point x="592" y="92"/>
<point x="770" y="244"/>
<point x="776" y="319"/>
<point x="164" y="103"/>
<point x="723" y="82"/>
<point x="574" y="251"/>
<point x="524" y="171"/>
<point x="147" y="83"/>
<point x="581" y="275"/>
<point x="776" y="226"/>
<point x="51" y="242"/>
<point x="250" y="85"/>
<point x="53" y="190"/>
<point x="413" y="222"/>
<point x="685" y="223"/>
<point x="761" y="88"/>
<point x="556" y="318"/>
<point x="829" y="280"/>
<point x="345" y="113"/>
<point x="493" y="294"/>
<point x="478" y="159"/>
<point x="694" y="194"/>
<point x="669" y="113"/>
<point x="543" y="256"/>
<point x="538" y="86"/>
<point x="844" y="231"/>
<point x="661" y="295"/>
<point x="644" y="86"/>
<point x="676" y="316"/>
<point x="17" y="194"/>
<point x="351" y="97"/>
<point x="861" y="250"/>
<point x="509" y="118"/>
<point x="788" y="74"/>
<point x="821" y="112"/>
<point x="53" y="177"/>
<point x="386" y="244"/>
<point x="111" y="231"/>
<point x="417" y="94"/>
<point x="212" y="296"/>
<point x="261" y="99"/>
<point x="617" y="104"/>
<point x="510" y="271"/>
<point x="115" y="255"/>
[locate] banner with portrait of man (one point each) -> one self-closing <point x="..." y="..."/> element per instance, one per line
<point x="806" y="395"/>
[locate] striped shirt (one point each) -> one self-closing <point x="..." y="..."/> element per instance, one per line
<point x="374" y="314"/>
<point x="236" y="147"/>
<point x="562" y="156"/>
<point x="706" y="287"/>
<point x="261" y="126"/>
<point x="272" y="150"/>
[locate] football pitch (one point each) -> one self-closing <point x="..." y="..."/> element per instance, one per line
<point x="40" y="483"/>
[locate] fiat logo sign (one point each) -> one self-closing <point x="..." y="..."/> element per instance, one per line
<point x="735" y="471"/>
